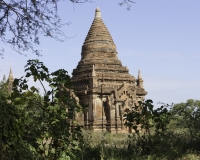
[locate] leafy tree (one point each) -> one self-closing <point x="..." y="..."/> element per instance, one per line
<point x="12" y="127"/>
<point x="152" y="136"/>
<point x="187" y="115"/>
<point x="40" y="124"/>
<point x="25" y="20"/>
<point x="149" y="124"/>
<point x="143" y="117"/>
<point x="3" y="85"/>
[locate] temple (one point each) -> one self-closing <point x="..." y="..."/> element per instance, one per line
<point x="103" y="84"/>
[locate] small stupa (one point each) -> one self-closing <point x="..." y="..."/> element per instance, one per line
<point x="102" y="83"/>
<point x="10" y="81"/>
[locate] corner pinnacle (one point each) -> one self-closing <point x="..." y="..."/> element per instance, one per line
<point x="139" y="75"/>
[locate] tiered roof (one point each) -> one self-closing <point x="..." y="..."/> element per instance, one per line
<point x="99" y="55"/>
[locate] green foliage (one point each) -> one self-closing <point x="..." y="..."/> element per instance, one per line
<point x="41" y="125"/>
<point x="3" y="87"/>
<point x="109" y="146"/>
<point x="103" y="146"/>
<point x="12" y="129"/>
<point x="187" y="114"/>
<point x="34" y="126"/>
<point x="143" y="118"/>
<point x="154" y="137"/>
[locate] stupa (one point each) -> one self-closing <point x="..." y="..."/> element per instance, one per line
<point x="10" y="81"/>
<point x="102" y="83"/>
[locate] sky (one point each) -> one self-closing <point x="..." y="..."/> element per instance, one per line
<point x="161" y="38"/>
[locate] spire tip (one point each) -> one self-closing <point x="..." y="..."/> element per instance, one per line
<point x="97" y="13"/>
<point x="97" y="9"/>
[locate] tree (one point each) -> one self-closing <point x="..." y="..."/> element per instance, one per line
<point x="35" y="126"/>
<point x="25" y="20"/>
<point x="149" y="124"/>
<point x="187" y="115"/>
<point x="127" y="3"/>
<point x="12" y="128"/>
<point x="3" y="84"/>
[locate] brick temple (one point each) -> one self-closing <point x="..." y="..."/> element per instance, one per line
<point x="102" y="83"/>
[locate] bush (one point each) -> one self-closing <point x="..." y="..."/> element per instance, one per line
<point x="35" y="126"/>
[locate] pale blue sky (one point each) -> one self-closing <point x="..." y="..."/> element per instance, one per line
<point x="161" y="38"/>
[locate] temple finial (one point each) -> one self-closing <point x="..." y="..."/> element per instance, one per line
<point x="93" y="71"/>
<point x="10" y="77"/>
<point x="139" y="80"/>
<point x="97" y="13"/>
<point x="139" y="75"/>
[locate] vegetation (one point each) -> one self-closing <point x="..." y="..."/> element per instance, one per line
<point x="108" y="146"/>
<point x="35" y="126"/>
<point x="158" y="138"/>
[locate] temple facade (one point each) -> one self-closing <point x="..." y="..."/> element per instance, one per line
<point x="102" y="83"/>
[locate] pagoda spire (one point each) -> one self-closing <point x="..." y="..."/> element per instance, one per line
<point x="139" y="80"/>
<point x="10" y="77"/>
<point x="10" y="81"/>
<point x="98" y="42"/>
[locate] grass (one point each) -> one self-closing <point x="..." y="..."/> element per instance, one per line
<point x="109" y="146"/>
